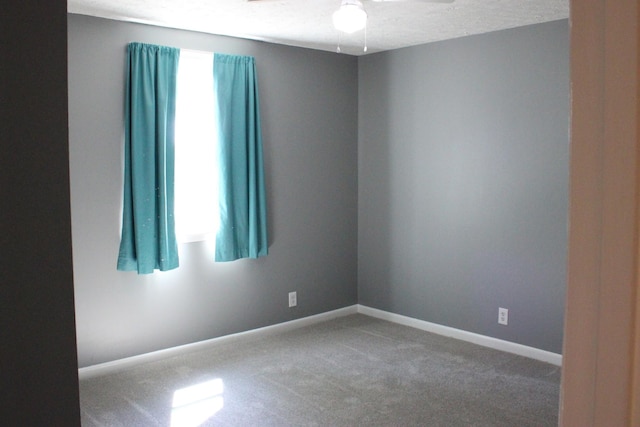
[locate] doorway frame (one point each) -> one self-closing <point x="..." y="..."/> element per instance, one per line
<point x="601" y="355"/>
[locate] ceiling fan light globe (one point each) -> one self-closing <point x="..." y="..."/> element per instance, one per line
<point x="350" y="17"/>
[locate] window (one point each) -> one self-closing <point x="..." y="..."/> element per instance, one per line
<point x="196" y="169"/>
<point x="157" y="198"/>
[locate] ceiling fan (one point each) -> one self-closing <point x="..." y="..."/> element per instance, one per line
<point x="351" y="16"/>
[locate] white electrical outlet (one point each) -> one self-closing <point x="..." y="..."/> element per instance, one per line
<point x="293" y="299"/>
<point x="503" y="316"/>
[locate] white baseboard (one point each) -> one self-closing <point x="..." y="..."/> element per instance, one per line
<point x="497" y="344"/>
<point x="506" y="346"/>
<point x="128" y="362"/>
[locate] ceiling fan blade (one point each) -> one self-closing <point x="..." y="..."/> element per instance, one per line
<point x="414" y="1"/>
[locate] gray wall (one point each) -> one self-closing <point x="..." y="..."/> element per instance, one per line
<point x="463" y="182"/>
<point x="38" y="364"/>
<point x="309" y="116"/>
<point x="452" y="203"/>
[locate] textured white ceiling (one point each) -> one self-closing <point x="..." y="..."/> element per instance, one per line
<point x="307" y="23"/>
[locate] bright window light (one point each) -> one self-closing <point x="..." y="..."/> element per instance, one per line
<point x="196" y="167"/>
<point x="194" y="405"/>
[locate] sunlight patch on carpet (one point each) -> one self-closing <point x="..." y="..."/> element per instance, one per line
<point x="194" y="405"/>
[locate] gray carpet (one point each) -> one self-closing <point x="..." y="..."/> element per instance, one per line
<point x="351" y="371"/>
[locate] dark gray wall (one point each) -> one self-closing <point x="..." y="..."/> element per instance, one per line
<point x="309" y="116"/>
<point x="38" y="365"/>
<point x="463" y="182"/>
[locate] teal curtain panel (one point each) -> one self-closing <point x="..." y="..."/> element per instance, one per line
<point x="243" y="210"/>
<point x="148" y="232"/>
